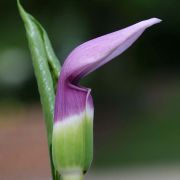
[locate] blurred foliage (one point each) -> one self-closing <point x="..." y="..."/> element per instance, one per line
<point x="136" y="96"/>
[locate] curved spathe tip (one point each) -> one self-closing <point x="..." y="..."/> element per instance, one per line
<point x="151" y="21"/>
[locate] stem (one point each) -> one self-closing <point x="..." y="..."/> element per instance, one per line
<point x="77" y="175"/>
<point x="55" y="174"/>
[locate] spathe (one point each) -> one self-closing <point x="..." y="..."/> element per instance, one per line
<point x="71" y="99"/>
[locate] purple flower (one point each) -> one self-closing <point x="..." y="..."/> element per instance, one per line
<point x="71" y="98"/>
<point x="72" y="139"/>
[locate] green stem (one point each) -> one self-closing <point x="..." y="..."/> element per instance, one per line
<point x="55" y="174"/>
<point x="72" y="176"/>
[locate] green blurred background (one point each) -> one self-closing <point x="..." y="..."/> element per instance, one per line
<point x="136" y="96"/>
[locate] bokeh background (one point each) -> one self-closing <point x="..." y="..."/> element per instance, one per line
<point x="136" y="96"/>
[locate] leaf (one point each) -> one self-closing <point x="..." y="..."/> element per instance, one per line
<point x="46" y="68"/>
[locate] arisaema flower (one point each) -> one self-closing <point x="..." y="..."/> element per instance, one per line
<point x="72" y="141"/>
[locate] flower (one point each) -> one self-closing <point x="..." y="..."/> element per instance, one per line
<point x="73" y="134"/>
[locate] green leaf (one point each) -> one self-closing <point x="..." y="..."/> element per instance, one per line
<point x="52" y="58"/>
<point x="46" y="68"/>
